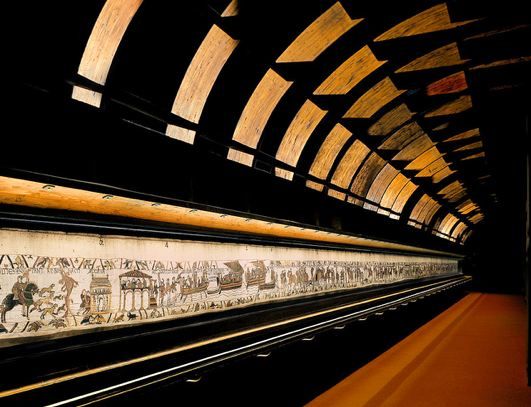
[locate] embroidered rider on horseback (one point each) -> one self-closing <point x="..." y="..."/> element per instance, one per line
<point x="22" y="293"/>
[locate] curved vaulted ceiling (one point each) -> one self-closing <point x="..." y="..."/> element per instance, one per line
<point x="377" y="108"/>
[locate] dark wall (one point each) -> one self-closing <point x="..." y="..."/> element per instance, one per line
<point x="497" y="249"/>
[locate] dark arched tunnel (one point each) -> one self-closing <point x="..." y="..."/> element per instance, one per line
<point x="266" y="202"/>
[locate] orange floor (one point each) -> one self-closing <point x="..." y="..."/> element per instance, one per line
<point x="473" y="354"/>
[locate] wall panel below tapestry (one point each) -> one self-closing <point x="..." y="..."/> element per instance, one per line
<point x="54" y="283"/>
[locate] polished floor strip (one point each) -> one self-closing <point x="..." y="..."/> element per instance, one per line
<point x="473" y="354"/>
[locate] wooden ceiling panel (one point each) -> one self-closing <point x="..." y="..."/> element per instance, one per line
<point x="374" y="99"/>
<point x="393" y="190"/>
<point x="349" y="164"/>
<point x="431" y="20"/>
<point x="232" y="9"/>
<point x="366" y="175"/>
<point x="299" y="131"/>
<point x="240" y="157"/>
<point x="502" y="62"/>
<point x="463" y="136"/>
<point x="425" y="159"/>
<point x="180" y="133"/>
<point x="459" y="229"/>
<point x="442" y="174"/>
<point x="419" y="206"/>
<point x="336" y="194"/>
<point x="453" y="83"/>
<point x="427" y="213"/>
<point x="329" y="150"/>
<point x="351" y="72"/>
<point x="441" y="126"/>
<point x="431" y="169"/>
<point x="105" y="38"/>
<point x="259" y="108"/>
<point x="471" y="146"/>
<point x="447" y="224"/>
<point x="283" y="173"/>
<point x="466" y="207"/>
<point x="315" y="185"/>
<point x="447" y="55"/>
<point x="402" y="137"/>
<point x="319" y="35"/>
<point x="202" y="73"/>
<point x="390" y="121"/>
<point x="380" y="185"/>
<point x="87" y="96"/>
<point x="474" y="156"/>
<point x="496" y="31"/>
<point x="404" y="196"/>
<point x="453" y="192"/>
<point x="459" y="105"/>
<point x="414" y="148"/>
<point x="466" y="235"/>
<point x="477" y="218"/>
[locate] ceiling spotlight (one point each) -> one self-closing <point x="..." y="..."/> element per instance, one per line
<point x="155" y="204"/>
<point x="107" y="196"/>
<point x="48" y="187"/>
<point x="192" y="210"/>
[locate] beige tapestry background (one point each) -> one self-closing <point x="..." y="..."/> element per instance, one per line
<point x="60" y="283"/>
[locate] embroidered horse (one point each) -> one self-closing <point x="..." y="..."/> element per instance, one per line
<point x="22" y="295"/>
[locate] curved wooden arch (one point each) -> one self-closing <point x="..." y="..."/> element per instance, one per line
<point x="204" y="69"/>
<point x="299" y="131"/>
<point x="390" y="121"/>
<point x="434" y="19"/>
<point x="459" y="105"/>
<point x="329" y="150"/>
<point x="256" y="113"/>
<point x="349" y="164"/>
<point x="319" y="35"/>
<point x="414" y="149"/>
<point x="351" y="72"/>
<point x="104" y="40"/>
<point x="374" y="99"/>
<point x="445" y="56"/>
<point x="403" y="197"/>
<point x="424" y="159"/>
<point x="453" y="83"/>
<point x="402" y="137"/>
<point x="366" y="176"/>
<point x="392" y="192"/>
<point x="379" y="186"/>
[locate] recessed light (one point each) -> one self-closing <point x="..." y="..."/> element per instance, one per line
<point x="107" y="196"/>
<point x="48" y="187"/>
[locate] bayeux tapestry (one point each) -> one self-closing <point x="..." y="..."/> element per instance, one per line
<point x="58" y="284"/>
